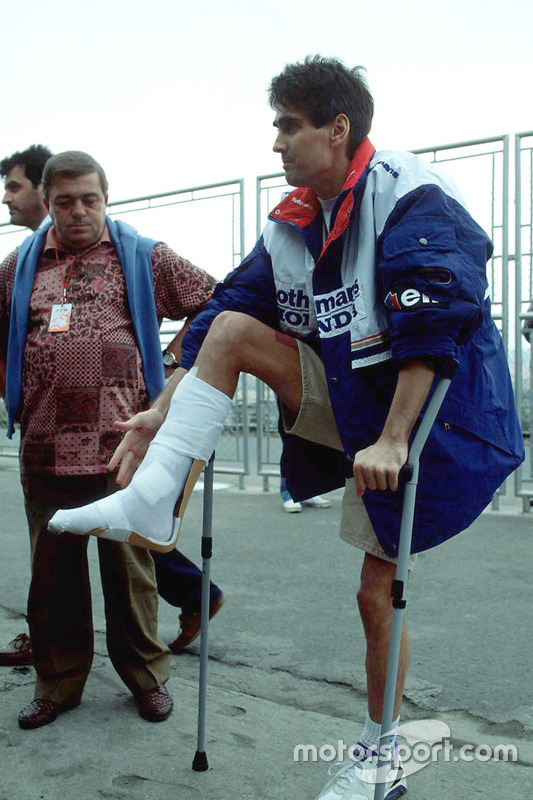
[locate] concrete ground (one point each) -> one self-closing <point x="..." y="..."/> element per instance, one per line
<point x="287" y="665"/>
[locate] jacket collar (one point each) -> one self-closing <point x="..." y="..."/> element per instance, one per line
<point x="301" y="206"/>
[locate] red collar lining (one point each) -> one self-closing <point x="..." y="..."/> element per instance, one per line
<point x="301" y="206"/>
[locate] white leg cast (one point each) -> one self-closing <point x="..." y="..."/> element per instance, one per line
<point x="142" y="514"/>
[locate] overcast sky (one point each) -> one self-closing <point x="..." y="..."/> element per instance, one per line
<point x="168" y="94"/>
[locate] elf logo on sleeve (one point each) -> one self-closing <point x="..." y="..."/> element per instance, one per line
<point x="410" y="299"/>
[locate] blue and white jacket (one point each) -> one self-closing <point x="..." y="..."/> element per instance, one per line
<point x="401" y="275"/>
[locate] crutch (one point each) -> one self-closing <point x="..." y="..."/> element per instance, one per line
<point x="399" y="584"/>
<point x="200" y="763"/>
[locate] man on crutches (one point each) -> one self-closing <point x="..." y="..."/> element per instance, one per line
<point x="368" y="281"/>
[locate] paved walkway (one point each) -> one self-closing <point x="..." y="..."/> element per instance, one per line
<point x="286" y="665"/>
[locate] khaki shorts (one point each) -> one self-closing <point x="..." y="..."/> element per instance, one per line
<point x="315" y="422"/>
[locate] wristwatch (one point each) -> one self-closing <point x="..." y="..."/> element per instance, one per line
<point x="170" y="360"/>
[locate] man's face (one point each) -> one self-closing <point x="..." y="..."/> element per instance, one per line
<point x="306" y="152"/>
<point x="77" y="207"/>
<point x="25" y="202"/>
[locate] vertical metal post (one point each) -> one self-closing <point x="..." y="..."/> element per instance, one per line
<point x="242" y="244"/>
<point x="505" y="244"/>
<point x="518" y="300"/>
<point x="258" y="193"/>
<point x="259" y="418"/>
<point x="245" y="430"/>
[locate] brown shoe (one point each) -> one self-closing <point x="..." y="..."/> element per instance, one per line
<point x="190" y="625"/>
<point x="155" y="705"/>
<point x="17" y="653"/>
<point x="39" y="713"/>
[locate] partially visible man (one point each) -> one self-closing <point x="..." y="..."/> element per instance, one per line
<point x="178" y="579"/>
<point x="23" y="191"/>
<point x="80" y="302"/>
<point x="24" y="198"/>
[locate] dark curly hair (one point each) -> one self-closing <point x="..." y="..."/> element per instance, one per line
<point x="324" y="88"/>
<point x="33" y="160"/>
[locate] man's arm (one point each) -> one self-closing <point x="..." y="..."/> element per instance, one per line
<point x="181" y="290"/>
<point x="139" y="431"/>
<point x="248" y="289"/>
<point x="175" y="346"/>
<point x="378" y="466"/>
<point x="434" y="288"/>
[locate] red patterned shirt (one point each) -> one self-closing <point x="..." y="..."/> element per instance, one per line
<point x="77" y="383"/>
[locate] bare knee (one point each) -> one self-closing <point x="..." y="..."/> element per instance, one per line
<point x="225" y="341"/>
<point x="239" y="343"/>
<point x="230" y="331"/>
<point x="230" y="325"/>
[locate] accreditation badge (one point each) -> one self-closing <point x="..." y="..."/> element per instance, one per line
<point x="60" y="318"/>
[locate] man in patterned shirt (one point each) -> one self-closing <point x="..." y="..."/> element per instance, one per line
<point x="179" y="581"/>
<point x="84" y="351"/>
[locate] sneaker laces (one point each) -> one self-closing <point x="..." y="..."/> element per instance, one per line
<point x="344" y="777"/>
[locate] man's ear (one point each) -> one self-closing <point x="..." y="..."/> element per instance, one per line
<point x="340" y="130"/>
<point x="46" y="203"/>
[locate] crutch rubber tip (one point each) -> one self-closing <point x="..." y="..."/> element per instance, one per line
<point x="199" y="763"/>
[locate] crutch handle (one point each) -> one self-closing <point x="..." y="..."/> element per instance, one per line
<point x="448" y="367"/>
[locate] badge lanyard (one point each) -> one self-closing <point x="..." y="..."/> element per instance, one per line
<point x="61" y="312"/>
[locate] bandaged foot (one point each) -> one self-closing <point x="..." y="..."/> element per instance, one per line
<point x="143" y="512"/>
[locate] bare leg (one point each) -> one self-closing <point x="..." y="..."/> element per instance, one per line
<point x="376" y="611"/>
<point x="238" y="343"/>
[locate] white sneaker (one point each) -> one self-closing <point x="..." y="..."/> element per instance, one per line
<point x="291" y="507"/>
<point x="356" y="780"/>
<point x="317" y="502"/>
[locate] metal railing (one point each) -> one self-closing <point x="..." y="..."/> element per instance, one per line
<point x="190" y="221"/>
<point x="10" y="237"/>
<point x="523" y="285"/>
<point x="269" y="190"/>
<point x="482" y="171"/>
